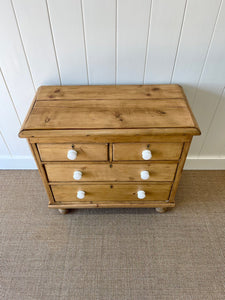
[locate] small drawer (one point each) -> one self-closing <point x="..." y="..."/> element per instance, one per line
<point x="111" y="172"/>
<point x="111" y="192"/>
<point x="73" y="152"/>
<point x="147" y="151"/>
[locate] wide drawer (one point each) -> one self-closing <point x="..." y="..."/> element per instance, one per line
<point x="85" y="152"/>
<point x="111" y="172"/>
<point x="159" y="151"/>
<point x="113" y="192"/>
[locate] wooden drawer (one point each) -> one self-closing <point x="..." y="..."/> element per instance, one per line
<point x="85" y="152"/>
<point x="159" y="151"/>
<point x="111" y="172"/>
<point x="114" y="192"/>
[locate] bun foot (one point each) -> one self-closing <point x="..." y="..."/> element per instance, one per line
<point x="161" y="209"/>
<point x="63" y="211"/>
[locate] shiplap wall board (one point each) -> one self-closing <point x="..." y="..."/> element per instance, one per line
<point x="100" y="28"/>
<point x="3" y="146"/>
<point x="35" y="29"/>
<point x="13" y="61"/>
<point x="164" y="32"/>
<point x="7" y="114"/>
<point x="113" y="42"/>
<point x="133" y="19"/>
<point x="67" y="27"/>
<point x="211" y="84"/>
<point x="195" y="38"/>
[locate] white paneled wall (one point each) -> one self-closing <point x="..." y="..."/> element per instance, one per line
<point x="48" y="42"/>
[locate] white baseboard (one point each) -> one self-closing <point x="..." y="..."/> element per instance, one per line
<point x="192" y="163"/>
<point x="17" y="163"/>
<point x="205" y="163"/>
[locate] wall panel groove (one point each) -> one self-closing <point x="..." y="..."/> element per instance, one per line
<point x="37" y="42"/>
<point x="211" y="83"/>
<point x="164" y="32"/>
<point x="50" y="26"/>
<point x="4" y="149"/>
<point x="207" y="52"/>
<point x="9" y="122"/>
<point x="13" y="9"/>
<point x="147" y="43"/>
<point x="179" y="38"/>
<point x="194" y="43"/>
<point x="85" y="44"/>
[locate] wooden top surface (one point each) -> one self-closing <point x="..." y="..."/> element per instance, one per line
<point x="61" y="109"/>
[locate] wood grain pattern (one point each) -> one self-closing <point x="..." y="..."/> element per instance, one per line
<point x="166" y="126"/>
<point x="110" y="204"/>
<point x="179" y="171"/>
<point x="97" y="92"/>
<point x="160" y="151"/>
<point x="85" y="114"/>
<point x="111" y="172"/>
<point x="42" y="173"/>
<point x="95" y="193"/>
<point x="111" y="136"/>
<point x="85" y="152"/>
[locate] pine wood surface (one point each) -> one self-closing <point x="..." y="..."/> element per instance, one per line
<point x="95" y="192"/>
<point x="110" y="108"/>
<point x="85" y="152"/>
<point x="111" y="172"/>
<point x="109" y="127"/>
<point x="160" y="151"/>
<point x="109" y="92"/>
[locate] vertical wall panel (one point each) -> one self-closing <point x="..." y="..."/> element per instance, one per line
<point x="3" y="148"/>
<point x="215" y="141"/>
<point x="9" y="123"/>
<point x="196" y="35"/>
<point x="99" y="24"/>
<point x="132" y="33"/>
<point x="33" y="22"/>
<point x="67" y="27"/>
<point x="13" y="61"/>
<point x="211" y="83"/>
<point x="165" y="27"/>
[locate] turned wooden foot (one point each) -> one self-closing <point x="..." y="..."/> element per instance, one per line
<point x="63" y="211"/>
<point x="161" y="209"/>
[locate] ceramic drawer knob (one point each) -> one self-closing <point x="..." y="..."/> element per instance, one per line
<point x="72" y="154"/>
<point x="146" y="154"/>
<point x="141" y="194"/>
<point x="145" y="175"/>
<point x="80" y="194"/>
<point x="77" y="175"/>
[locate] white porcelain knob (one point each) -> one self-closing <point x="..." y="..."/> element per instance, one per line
<point x="80" y="194"/>
<point x="72" y="154"/>
<point x="77" y="175"/>
<point x="141" y="194"/>
<point x="145" y="175"/>
<point x="146" y="154"/>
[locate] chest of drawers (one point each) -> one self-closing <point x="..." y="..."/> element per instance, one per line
<point x="110" y="146"/>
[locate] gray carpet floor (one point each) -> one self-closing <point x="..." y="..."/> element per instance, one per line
<point x="112" y="254"/>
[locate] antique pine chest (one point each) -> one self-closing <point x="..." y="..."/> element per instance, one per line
<point x="110" y="146"/>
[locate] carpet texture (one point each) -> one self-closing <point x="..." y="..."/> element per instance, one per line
<point x="112" y="254"/>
